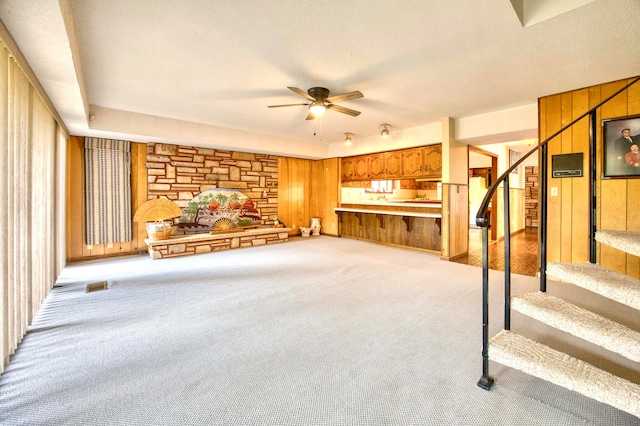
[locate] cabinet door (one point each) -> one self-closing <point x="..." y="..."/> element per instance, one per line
<point x="376" y="166"/>
<point x="412" y="163"/>
<point x="361" y="168"/>
<point x="432" y="161"/>
<point x="393" y="164"/>
<point x="347" y="169"/>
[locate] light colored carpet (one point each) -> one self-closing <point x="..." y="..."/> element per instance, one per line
<point x="612" y="285"/>
<point x="580" y="322"/>
<point x="315" y="331"/>
<point x="629" y="242"/>
<point x="516" y="351"/>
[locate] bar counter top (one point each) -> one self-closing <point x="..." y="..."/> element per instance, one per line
<point x="397" y="203"/>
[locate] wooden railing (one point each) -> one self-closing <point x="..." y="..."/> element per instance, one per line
<point x="483" y="221"/>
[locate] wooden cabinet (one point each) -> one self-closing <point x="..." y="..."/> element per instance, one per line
<point x="412" y="163"/>
<point x="422" y="162"/>
<point x="347" y="168"/>
<point x="361" y="167"/>
<point x="376" y="166"/>
<point x="393" y="164"/>
<point x="402" y="164"/>
<point x="432" y="161"/>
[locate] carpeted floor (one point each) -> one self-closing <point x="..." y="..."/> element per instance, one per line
<point x="316" y="331"/>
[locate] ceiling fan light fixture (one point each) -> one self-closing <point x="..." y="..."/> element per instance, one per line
<point x="321" y="101"/>
<point x="348" y="139"/>
<point x="317" y="108"/>
<point x="384" y="132"/>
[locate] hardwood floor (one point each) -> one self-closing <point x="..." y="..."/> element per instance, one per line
<point x="524" y="252"/>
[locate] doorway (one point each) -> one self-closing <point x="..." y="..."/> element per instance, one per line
<point x="483" y="171"/>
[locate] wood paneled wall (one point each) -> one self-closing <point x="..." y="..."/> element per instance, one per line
<point x="306" y="189"/>
<point x="76" y="247"/>
<point x="455" y="220"/>
<point x="325" y="187"/>
<point x="294" y="193"/>
<point x="618" y="207"/>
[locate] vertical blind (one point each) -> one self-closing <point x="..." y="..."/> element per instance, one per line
<point x="28" y="176"/>
<point x="107" y="191"/>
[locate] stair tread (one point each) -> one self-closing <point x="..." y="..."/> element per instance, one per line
<point x="580" y="322"/>
<point x="613" y="285"/>
<point x="626" y="241"/>
<point x="541" y="361"/>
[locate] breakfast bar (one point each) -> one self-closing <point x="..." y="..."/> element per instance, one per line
<point x="409" y="225"/>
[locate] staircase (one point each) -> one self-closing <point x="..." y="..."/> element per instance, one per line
<point x="536" y="359"/>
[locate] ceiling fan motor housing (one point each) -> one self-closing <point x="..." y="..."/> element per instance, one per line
<point x="318" y="93"/>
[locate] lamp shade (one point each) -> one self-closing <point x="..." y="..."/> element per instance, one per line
<point x="317" y="108"/>
<point x="347" y="139"/>
<point x="157" y="209"/>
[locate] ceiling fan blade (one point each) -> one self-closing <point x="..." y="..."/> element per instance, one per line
<point x="345" y="96"/>
<point x="310" y="116"/>
<point x="278" y="106"/>
<point x="301" y="93"/>
<point x="344" y="110"/>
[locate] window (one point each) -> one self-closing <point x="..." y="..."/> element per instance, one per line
<point x="107" y="191"/>
<point x="381" y="187"/>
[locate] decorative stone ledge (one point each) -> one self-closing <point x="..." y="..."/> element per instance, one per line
<point x="204" y="243"/>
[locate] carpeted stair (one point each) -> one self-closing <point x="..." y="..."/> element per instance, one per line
<point x="515" y="351"/>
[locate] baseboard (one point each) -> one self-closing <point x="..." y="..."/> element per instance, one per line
<point x="455" y="257"/>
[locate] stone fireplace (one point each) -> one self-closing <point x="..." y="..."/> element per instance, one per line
<point x="184" y="174"/>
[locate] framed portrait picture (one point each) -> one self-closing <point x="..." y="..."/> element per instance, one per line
<point x="621" y="138"/>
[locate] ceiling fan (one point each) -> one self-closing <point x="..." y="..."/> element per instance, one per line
<point x="321" y="101"/>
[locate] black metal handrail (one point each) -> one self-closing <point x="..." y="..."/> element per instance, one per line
<point x="482" y="220"/>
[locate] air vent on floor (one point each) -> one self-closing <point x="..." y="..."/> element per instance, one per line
<point x="97" y="286"/>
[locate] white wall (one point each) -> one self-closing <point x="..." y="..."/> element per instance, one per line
<point x="477" y="191"/>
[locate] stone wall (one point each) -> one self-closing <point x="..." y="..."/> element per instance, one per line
<point x="182" y="172"/>
<point x="531" y="196"/>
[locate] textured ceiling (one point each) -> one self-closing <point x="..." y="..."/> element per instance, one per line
<point x="221" y="63"/>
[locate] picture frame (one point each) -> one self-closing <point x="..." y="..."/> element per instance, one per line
<point x="620" y="159"/>
<point x="513" y="157"/>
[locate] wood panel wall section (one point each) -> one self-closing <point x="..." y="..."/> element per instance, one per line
<point x="294" y="192"/>
<point x="618" y="207"/>
<point x="325" y="187"/>
<point x="455" y="220"/>
<point x="76" y="247"/>
<point x="308" y="188"/>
